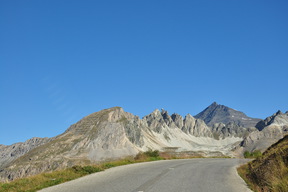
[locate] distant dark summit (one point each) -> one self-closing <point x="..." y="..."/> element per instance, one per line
<point x="216" y="113"/>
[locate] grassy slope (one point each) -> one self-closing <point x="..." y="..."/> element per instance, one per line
<point x="43" y="180"/>
<point x="270" y="171"/>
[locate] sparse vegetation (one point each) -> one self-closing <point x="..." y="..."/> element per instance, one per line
<point x="253" y="154"/>
<point x="150" y="155"/>
<point x="44" y="180"/>
<point x="122" y="120"/>
<point x="86" y="169"/>
<point x="268" y="172"/>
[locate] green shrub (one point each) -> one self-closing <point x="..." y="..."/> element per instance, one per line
<point x="108" y="165"/>
<point x="247" y="154"/>
<point x="155" y="158"/>
<point x="151" y="153"/>
<point x="253" y="154"/>
<point x="86" y="169"/>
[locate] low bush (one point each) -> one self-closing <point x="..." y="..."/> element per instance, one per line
<point x="152" y="153"/>
<point x="253" y="154"/>
<point x="86" y="169"/>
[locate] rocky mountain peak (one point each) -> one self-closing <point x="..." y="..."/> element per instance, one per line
<point x="189" y="117"/>
<point x="269" y="131"/>
<point x="92" y="121"/>
<point x="114" y="133"/>
<point x="164" y="114"/>
<point x="168" y="119"/>
<point x="279" y="112"/>
<point x="176" y="116"/>
<point x="213" y="105"/>
<point x="178" y="120"/>
<point x="155" y="120"/>
<point x="117" y="113"/>
<point x="216" y="113"/>
<point x="277" y="118"/>
<point x="156" y="113"/>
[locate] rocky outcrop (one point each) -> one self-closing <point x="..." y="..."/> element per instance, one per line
<point x="277" y="118"/>
<point x="157" y="121"/>
<point x="113" y="133"/>
<point x="196" y="127"/>
<point x="270" y="131"/>
<point x="216" y="113"/>
<point x="103" y="135"/>
<point x="12" y="152"/>
<point x="220" y="130"/>
<point x="178" y="119"/>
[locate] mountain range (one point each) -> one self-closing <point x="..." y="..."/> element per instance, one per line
<point x="113" y="133"/>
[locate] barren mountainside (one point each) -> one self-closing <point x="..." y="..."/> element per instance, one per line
<point x="113" y="133"/>
<point x="271" y="129"/>
<point x="12" y="152"/>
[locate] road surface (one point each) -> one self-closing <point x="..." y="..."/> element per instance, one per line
<point x="189" y="175"/>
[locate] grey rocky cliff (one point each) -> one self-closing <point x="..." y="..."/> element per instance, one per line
<point x="11" y="152"/>
<point x="113" y="133"/>
<point x="97" y="137"/>
<point x="278" y="118"/>
<point x="188" y="134"/>
<point x="178" y="119"/>
<point x="157" y="121"/>
<point x="216" y="113"/>
<point x="168" y="119"/>
<point x="270" y="131"/>
<point x="188" y="124"/>
<point x="196" y="127"/>
<point x="221" y="130"/>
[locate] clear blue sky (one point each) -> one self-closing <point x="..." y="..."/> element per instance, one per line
<point x="62" y="60"/>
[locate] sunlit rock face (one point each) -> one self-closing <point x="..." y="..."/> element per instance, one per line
<point x="269" y="131"/>
<point x="113" y="133"/>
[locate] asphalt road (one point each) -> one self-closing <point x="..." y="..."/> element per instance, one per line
<point x="193" y="175"/>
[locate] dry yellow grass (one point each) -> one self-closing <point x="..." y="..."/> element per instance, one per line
<point x="44" y="180"/>
<point x="270" y="171"/>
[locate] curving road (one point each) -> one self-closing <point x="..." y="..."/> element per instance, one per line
<point x="189" y="175"/>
